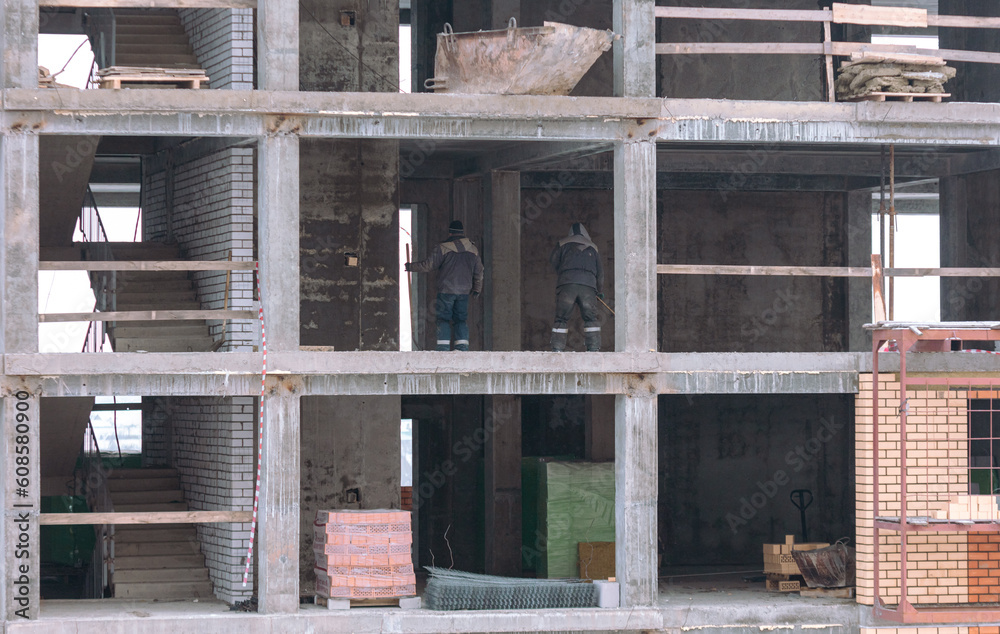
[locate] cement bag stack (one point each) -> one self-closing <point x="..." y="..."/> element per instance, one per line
<point x="363" y="554"/>
<point x="904" y="74"/>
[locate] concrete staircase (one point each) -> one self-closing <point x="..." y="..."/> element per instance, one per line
<point x="156" y="290"/>
<point x="155" y="561"/>
<point x="152" y="37"/>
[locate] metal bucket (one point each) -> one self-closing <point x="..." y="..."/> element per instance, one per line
<point x="831" y="567"/>
<point x="545" y="60"/>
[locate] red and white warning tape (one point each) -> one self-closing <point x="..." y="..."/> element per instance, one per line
<point x="260" y="431"/>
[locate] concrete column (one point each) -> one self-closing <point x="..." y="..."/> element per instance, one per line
<point x="20" y="235"/>
<point x="635" y="52"/>
<point x="635" y="497"/>
<point x="278" y="231"/>
<point x="635" y="246"/>
<point x="20" y="496"/>
<point x="502" y="426"/>
<point x="277" y="45"/>
<point x="502" y="257"/>
<point x="19" y="42"/>
<point x="859" y="249"/>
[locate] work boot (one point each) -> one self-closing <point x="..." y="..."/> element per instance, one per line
<point x="559" y="337"/>
<point x="592" y="338"/>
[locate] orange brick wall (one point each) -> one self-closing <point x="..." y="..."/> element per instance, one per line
<point x="929" y="629"/>
<point x="984" y="568"/>
<point x="937" y="446"/>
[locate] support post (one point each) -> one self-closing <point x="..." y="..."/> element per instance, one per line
<point x="635" y="497"/>
<point x="859" y="289"/>
<point x="19" y="174"/>
<point x="278" y="230"/>
<point x="635" y="246"/>
<point x="20" y="494"/>
<point x="503" y="261"/>
<point x="19" y="44"/>
<point x="502" y="425"/>
<point x="277" y="45"/>
<point x="635" y="51"/>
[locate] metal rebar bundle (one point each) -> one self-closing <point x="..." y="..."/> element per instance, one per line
<point x="456" y="590"/>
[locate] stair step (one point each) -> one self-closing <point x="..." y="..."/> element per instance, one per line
<point x="133" y="331"/>
<point x="128" y="277"/>
<point x="163" y="575"/>
<point x="123" y="22"/>
<point x="146" y="497"/>
<point x="139" y="533"/>
<point x="151" y="562"/>
<point x="124" y="304"/>
<point x="150" y="48"/>
<point x="128" y="39"/>
<point x="142" y="473"/>
<point x="170" y="285"/>
<point x="145" y="484"/>
<point x="152" y="507"/>
<point x="164" y="297"/>
<point x="205" y="344"/>
<point x="135" y="59"/>
<point x="164" y="591"/>
<point x="152" y="549"/>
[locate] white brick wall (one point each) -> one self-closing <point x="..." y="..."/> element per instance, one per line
<point x="213" y="216"/>
<point x="223" y="41"/>
<point x="214" y="449"/>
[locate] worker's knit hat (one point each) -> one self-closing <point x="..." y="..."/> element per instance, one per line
<point x="456" y="226"/>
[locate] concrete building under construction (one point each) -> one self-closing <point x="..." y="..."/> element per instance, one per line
<point x="263" y="325"/>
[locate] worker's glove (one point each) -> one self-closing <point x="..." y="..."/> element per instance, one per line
<point x="600" y="296"/>
<point x="474" y="294"/>
<point x="408" y="266"/>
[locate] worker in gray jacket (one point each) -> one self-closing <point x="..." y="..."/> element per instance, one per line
<point x="581" y="282"/>
<point x="459" y="273"/>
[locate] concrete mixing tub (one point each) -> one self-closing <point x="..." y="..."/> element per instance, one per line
<point x="546" y="60"/>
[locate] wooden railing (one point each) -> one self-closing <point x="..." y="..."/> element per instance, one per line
<point x="839" y="14"/>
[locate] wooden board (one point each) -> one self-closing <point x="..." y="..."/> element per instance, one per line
<point x="934" y="97"/>
<point x="148" y="315"/>
<point x="776" y="15"/>
<point x="901" y="58"/>
<point x="387" y="602"/>
<point x="881" y="16"/>
<point x="117" y="81"/>
<point x="828" y="593"/>
<point x="145" y="265"/>
<point x="158" y="517"/>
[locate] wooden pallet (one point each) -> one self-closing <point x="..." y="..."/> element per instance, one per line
<point x="386" y="602"/>
<point x="934" y="97"/>
<point x="828" y="593"/>
<point x="135" y="81"/>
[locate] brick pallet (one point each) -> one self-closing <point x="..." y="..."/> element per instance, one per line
<point x="363" y="555"/>
<point x="783" y="574"/>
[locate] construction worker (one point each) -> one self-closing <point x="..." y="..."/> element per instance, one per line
<point x="581" y="282"/>
<point x="459" y="273"/>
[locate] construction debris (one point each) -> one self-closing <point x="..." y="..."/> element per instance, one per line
<point x="870" y="76"/>
<point x="455" y="590"/>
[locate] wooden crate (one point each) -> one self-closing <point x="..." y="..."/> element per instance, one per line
<point x="596" y="560"/>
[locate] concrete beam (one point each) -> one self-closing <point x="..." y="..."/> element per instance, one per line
<point x="773" y="123"/>
<point x="525" y="155"/>
<point x="635" y="496"/>
<point x="341" y="114"/>
<point x="19" y="42"/>
<point x="773" y="159"/>
<point x="635" y="247"/>
<point x="722" y="182"/>
<point x="277" y="45"/>
<point x="19" y="155"/>
<point x="635" y="52"/>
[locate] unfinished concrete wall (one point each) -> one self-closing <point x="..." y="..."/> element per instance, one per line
<point x="350" y="460"/>
<point x="209" y="213"/>
<point x="547" y="214"/>
<point x="768" y="77"/>
<point x="970" y="228"/>
<point x="223" y="41"/>
<point x="752" y="314"/>
<point x="213" y="448"/>
<point x="974" y="82"/>
<point x="729" y="463"/>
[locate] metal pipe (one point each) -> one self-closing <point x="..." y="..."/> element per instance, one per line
<point x="881" y="214"/>
<point x="892" y="230"/>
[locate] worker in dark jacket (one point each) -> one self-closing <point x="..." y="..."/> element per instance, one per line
<point x="581" y="281"/>
<point x="459" y="273"/>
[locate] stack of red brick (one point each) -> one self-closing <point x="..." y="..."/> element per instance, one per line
<point x="363" y="554"/>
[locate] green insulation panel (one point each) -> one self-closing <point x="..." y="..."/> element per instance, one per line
<point x="576" y="503"/>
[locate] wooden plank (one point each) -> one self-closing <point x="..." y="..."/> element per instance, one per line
<point x="776" y="15"/>
<point x="145" y="265"/>
<point x="831" y="593"/>
<point x="152" y="4"/>
<point x="846" y="49"/>
<point x="818" y="271"/>
<point x="963" y="21"/>
<point x="879" y="16"/>
<point x="148" y="315"/>
<point x="831" y="93"/>
<point x="742" y="48"/>
<point x="878" y="288"/>
<point x="158" y="517"/>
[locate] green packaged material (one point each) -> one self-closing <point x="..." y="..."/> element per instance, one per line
<point x="576" y="503"/>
